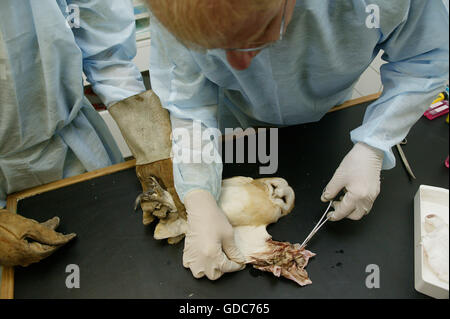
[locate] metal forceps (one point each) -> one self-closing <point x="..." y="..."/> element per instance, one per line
<point x="319" y="225"/>
<point x="403" y="157"/>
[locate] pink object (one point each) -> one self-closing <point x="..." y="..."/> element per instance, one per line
<point x="446" y="162"/>
<point x="436" y="110"/>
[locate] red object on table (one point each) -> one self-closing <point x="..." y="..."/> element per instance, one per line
<point x="436" y="110"/>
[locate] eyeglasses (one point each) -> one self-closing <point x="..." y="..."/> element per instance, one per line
<point x="264" y="46"/>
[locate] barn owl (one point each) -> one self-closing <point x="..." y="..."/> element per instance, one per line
<point x="250" y="206"/>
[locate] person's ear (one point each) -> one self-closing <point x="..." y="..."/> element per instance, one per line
<point x="240" y="60"/>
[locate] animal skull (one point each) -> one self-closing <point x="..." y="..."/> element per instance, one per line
<point x="251" y="205"/>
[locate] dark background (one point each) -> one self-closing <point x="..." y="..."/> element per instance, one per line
<point x="118" y="257"/>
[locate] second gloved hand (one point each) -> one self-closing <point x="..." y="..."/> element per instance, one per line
<point x="209" y="247"/>
<point x="24" y="241"/>
<point x="359" y="176"/>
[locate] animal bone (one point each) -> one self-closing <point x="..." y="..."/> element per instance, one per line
<point x="250" y="205"/>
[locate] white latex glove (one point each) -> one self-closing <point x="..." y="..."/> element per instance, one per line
<point x="209" y="247"/>
<point x="359" y="176"/>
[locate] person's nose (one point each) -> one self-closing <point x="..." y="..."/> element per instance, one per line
<point x="241" y="60"/>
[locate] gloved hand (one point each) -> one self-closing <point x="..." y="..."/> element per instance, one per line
<point x="359" y="176"/>
<point x="145" y="126"/>
<point x="15" y="234"/>
<point x="209" y="247"/>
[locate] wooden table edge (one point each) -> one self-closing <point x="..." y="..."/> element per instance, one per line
<point x="7" y="277"/>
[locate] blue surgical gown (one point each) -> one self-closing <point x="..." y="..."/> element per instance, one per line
<point x="48" y="128"/>
<point x="327" y="46"/>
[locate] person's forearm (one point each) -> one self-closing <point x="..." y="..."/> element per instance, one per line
<point x="409" y="89"/>
<point x="417" y="52"/>
<point x="107" y="39"/>
<point x="196" y="161"/>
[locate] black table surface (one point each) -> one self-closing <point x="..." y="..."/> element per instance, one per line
<point x="118" y="257"/>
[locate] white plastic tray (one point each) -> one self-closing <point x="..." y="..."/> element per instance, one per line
<point x="428" y="200"/>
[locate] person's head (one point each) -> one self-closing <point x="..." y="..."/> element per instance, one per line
<point x="225" y="24"/>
